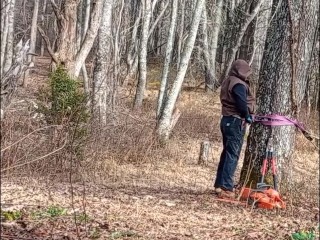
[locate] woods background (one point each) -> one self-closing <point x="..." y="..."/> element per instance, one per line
<point x="124" y="92"/>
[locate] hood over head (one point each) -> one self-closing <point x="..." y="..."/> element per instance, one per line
<point x="241" y="69"/>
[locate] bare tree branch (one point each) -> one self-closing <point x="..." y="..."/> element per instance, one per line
<point x="46" y="39"/>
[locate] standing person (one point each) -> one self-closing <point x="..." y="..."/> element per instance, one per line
<point x="237" y="106"/>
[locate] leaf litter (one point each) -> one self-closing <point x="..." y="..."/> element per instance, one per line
<point x="114" y="214"/>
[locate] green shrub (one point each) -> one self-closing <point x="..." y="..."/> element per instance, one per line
<point x="64" y="101"/>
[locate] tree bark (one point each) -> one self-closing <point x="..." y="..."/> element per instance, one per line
<point x="5" y="12"/>
<point x="260" y="35"/>
<point x="66" y="53"/>
<point x="180" y="35"/>
<point x="132" y="58"/>
<point x="33" y="38"/>
<point x="9" y="80"/>
<point x="89" y="36"/>
<point x="9" y="37"/>
<point x="166" y="67"/>
<point x="142" y="81"/>
<point x="215" y="35"/>
<point x="209" y="74"/>
<point x="164" y="126"/>
<point x="163" y="10"/>
<point x="102" y="77"/>
<point x="204" y="154"/>
<point x="44" y="7"/>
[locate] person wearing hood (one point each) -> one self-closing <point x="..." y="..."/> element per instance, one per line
<point x="237" y="106"/>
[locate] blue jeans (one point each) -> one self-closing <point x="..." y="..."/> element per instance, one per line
<point x="233" y="132"/>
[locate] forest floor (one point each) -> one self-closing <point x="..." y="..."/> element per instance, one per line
<point x="165" y="196"/>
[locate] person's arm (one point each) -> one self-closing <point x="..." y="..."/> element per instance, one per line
<point x="239" y="92"/>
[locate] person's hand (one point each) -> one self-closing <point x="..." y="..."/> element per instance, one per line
<point x="249" y="119"/>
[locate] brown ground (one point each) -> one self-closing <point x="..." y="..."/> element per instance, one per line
<point x="166" y="197"/>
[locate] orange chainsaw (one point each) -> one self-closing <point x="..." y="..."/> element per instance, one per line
<point x="265" y="196"/>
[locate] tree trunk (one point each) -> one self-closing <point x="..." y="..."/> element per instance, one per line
<point x="5" y="12"/>
<point x="132" y="59"/>
<point x="181" y="31"/>
<point x="66" y="53"/>
<point x="209" y="74"/>
<point x="83" y="31"/>
<point x="9" y="38"/>
<point x="204" y="154"/>
<point x="91" y="33"/>
<point x="260" y="35"/>
<point x="102" y="76"/>
<point x="164" y="126"/>
<point x="142" y="81"/>
<point x="33" y="38"/>
<point x="9" y="81"/>
<point x="66" y="42"/>
<point x="166" y="67"/>
<point x="215" y="35"/>
<point x="163" y="10"/>
<point x="304" y="33"/>
<point x="275" y="91"/>
<point x="44" y="7"/>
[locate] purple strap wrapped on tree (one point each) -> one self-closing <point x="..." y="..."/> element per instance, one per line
<point x="278" y="120"/>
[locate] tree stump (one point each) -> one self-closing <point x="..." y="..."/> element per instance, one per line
<point x="205" y="148"/>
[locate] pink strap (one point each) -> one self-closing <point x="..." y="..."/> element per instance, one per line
<point x="278" y="120"/>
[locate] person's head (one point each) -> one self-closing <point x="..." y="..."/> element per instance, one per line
<point x="241" y="69"/>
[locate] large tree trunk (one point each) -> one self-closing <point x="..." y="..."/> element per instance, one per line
<point x="276" y="93"/>
<point x="102" y="76"/>
<point x="66" y="41"/>
<point x="142" y="81"/>
<point x="66" y="53"/>
<point x="165" y="125"/>
<point x="166" y="67"/>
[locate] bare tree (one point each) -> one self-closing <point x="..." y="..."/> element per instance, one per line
<point x="7" y="35"/>
<point x="181" y="32"/>
<point x="102" y="77"/>
<point x="166" y="67"/>
<point x="215" y="34"/>
<point x="142" y="81"/>
<point x="209" y="74"/>
<point x="166" y="120"/>
<point x="132" y="57"/>
<point x="42" y="17"/>
<point x="33" y="38"/>
<point x="66" y="53"/>
<point x="9" y="80"/>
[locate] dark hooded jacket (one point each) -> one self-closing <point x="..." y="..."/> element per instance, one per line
<point x="239" y="73"/>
